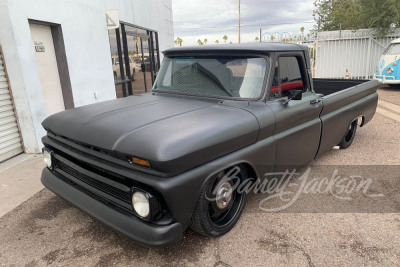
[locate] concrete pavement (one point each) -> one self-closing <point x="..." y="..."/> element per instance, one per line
<point x="19" y="180"/>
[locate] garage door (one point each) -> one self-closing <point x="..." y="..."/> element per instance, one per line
<point x="10" y="139"/>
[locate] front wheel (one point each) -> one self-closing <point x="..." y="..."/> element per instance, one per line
<point x="349" y="137"/>
<point x="219" y="205"/>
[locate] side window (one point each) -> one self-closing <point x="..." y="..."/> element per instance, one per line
<point x="275" y="85"/>
<point x="290" y="75"/>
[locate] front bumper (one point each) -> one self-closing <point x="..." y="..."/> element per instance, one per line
<point x="386" y="79"/>
<point x="145" y="233"/>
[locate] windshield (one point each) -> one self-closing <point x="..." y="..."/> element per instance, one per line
<point x="215" y="77"/>
<point x="393" y="49"/>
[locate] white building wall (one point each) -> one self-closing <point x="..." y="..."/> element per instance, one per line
<point x="87" y="48"/>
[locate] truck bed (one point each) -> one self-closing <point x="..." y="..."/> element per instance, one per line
<point x="330" y="86"/>
<point x="342" y="102"/>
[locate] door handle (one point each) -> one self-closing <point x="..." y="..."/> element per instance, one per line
<point x="315" y="101"/>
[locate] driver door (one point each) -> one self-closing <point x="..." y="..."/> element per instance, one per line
<point x="298" y="126"/>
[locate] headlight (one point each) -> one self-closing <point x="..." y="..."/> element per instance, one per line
<point x="389" y="71"/>
<point x="47" y="158"/>
<point x="141" y="204"/>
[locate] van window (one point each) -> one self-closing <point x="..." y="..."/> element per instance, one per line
<point x="393" y="49"/>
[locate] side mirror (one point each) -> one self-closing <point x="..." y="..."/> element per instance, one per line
<point x="294" y="95"/>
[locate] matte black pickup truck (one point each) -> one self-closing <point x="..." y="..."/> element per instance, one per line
<point x="150" y="165"/>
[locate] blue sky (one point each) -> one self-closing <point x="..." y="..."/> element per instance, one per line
<point x="210" y="19"/>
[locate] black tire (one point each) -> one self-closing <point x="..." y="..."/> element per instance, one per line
<point x="349" y="136"/>
<point x="206" y="219"/>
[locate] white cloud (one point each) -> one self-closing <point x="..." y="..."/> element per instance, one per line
<point x="210" y="19"/>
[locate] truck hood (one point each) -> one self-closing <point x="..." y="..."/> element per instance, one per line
<point x="168" y="131"/>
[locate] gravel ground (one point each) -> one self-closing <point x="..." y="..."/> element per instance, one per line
<point x="390" y="94"/>
<point x="46" y="230"/>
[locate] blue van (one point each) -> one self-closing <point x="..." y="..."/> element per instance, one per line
<point x="388" y="70"/>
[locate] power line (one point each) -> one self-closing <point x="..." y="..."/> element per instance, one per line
<point x="235" y="26"/>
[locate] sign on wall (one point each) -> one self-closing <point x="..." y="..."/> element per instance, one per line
<point x="39" y="47"/>
<point x="112" y="18"/>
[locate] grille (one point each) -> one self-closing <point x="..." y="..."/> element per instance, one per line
<point x="106" y="188"/>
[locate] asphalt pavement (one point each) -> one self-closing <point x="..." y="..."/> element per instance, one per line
<point x="46" y="230"/>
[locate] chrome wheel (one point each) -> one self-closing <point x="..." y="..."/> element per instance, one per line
<point x="224" y="195"/>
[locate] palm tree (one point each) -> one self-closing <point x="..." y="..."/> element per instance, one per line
<point x="257" y="39"/>
<point x="205" y="40"/>
<point x="272" y="38"/>
<point x="302" y="31"/>
<point x="216" y="41"/>
<point x="176" y="42"/>
<point x="225" y="38"/>
<point x="308" y="36"/>
<point x="199" y="42"/>
<point x="179" y="41"/>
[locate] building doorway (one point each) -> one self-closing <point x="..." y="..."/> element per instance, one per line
<point x="47" y="67"/>
<point x="52" y="66"/>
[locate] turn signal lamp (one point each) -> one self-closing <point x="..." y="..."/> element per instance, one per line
<point x="140" y="162"/>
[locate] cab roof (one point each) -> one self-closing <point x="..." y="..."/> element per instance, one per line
<point x="251" y="47"/>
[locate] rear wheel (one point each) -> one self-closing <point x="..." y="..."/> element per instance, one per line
<point x="349" y="137"/>
<point x="219" y="205"/>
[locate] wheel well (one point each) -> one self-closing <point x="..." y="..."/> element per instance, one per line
<point x="362" y="118"/>
<point x="250" y="172"/>
<point x="248" y="168"/>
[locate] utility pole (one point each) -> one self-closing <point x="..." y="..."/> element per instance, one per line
<point x="239" y="21"/>
<point x="319" y="24"/>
